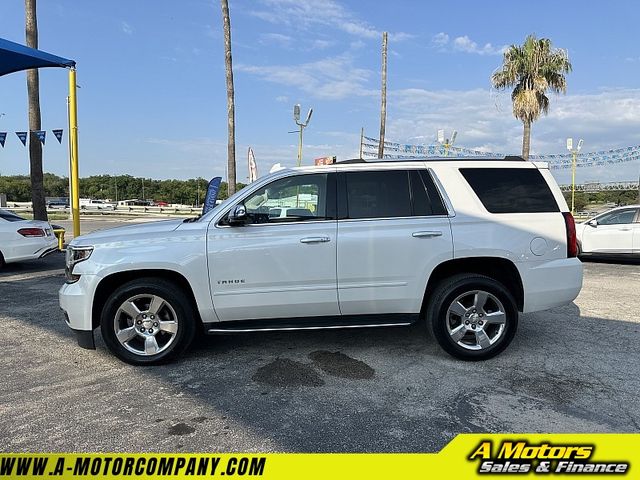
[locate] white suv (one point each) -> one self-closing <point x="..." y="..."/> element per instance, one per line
<point x="463" y="244"/>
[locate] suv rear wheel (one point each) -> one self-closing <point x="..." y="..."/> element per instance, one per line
<point x="472" y="317"/>
<point x="147" y="321"/>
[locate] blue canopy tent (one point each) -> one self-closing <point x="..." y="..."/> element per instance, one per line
<point x="14" y="58"/>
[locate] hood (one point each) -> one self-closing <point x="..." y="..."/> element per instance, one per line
<point x="128" y="232"/>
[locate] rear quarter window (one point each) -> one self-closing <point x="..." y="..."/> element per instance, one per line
<point x="511" y="190"/>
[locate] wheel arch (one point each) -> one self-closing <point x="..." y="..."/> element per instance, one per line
<point x="109" y="283"/>
<point x="498" y="268"/>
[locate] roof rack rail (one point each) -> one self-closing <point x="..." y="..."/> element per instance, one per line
<point x="506" y="158"/>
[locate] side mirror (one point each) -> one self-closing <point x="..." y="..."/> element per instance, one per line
<point x="592" y="223"/>
<point x="238" y="215"/>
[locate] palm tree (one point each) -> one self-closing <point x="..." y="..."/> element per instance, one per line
<point x="35" y="122"/>
<point x="231" y="121"/>
<point x="532" y="69"/>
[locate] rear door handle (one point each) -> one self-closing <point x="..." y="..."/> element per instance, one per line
<point x="315" y="240"/>
<point x="427" y="234"/>
<point x="625" y="229"/>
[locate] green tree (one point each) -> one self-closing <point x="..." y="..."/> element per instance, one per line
<point x="532" y="69"/>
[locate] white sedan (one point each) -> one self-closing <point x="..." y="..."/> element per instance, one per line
<point x="22" y="239"/>
<point x="614" y="232"/>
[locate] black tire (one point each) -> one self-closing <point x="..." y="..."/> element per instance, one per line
<point x="176" y="304"/>
<point x="444" y="322"/>
<point x="2" y="262"/>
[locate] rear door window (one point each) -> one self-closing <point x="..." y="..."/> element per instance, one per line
<point x="389" y="194"/>
<point x="511" y="190"/>
<point x="381" y="194"/>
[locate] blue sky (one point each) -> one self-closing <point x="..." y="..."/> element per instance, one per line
<point x="153" y="102"/>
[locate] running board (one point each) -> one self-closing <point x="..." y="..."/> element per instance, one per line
<point x="313" y="323"/>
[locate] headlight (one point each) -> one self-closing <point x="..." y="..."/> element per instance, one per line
<point x="75" y="255"/>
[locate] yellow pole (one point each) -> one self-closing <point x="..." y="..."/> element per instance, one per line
<point x="73" y="153"/>
<point x="574" y="154"/>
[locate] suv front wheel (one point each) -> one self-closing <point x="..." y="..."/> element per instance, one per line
<point x="473" y="317"/>
<point x="147" y="321"/>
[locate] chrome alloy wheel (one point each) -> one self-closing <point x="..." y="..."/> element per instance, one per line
<point x="146" y="324"/>
<point x="476" y="320"/>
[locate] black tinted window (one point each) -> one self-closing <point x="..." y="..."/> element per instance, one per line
<point x="511" y="190"/>
<point x="10" y="216"/>
<point x="380" y="194"/>
<point x="424" y="196"/>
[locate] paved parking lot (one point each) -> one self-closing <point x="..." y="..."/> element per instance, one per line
<point x="572" y="369"/>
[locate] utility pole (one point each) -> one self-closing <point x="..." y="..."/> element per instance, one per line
<point x="574" y="161"/>
<point x="143" y="188"/>
<point x="301" y="127"/>
<point x="361" y="142"/>
<point x="383" y="107"/>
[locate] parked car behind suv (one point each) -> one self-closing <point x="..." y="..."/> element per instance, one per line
<point x="462" y="244"/>
<point x="614" y="232"/>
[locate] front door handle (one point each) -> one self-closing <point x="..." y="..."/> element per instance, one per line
<point x="625" y="229"/>
<point x="427" y="234"/>
<point x="315" y="240"/>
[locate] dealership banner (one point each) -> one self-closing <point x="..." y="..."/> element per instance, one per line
<point x="466" y="456"/>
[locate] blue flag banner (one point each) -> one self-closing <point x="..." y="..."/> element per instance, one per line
<point x="212" y="194"/>
<point x="23" y="137"/>
<point x="41" y="134"/>
<point x="58" y="133"/>
<point x="3" y="138"/>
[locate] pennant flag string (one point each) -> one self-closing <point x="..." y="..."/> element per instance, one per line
<point x="556" y="161"/>
<point x="40" y="135"/>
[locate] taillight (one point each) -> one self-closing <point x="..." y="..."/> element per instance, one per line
<point x="572" y="241"/>
<point x="31" y="232"/>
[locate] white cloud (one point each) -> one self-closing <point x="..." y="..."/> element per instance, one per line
<point x="440" y="39"/>
<point x="276" y="38"/>
<point x="282" y="98"/>
<point x="327" y="13"/>
<point x="321" y="44"/>
<point x="465" y="44"/>
<point x="332" y="78"/>
<point x="126" y="28"/>
<point x="606" y="120"/>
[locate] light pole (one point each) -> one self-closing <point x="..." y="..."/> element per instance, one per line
<point x="296" y="117"/>
<point x="445" y="142"/>
<point x="574" y="159"/>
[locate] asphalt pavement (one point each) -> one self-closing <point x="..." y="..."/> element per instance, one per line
<point x="571" y="369"/>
